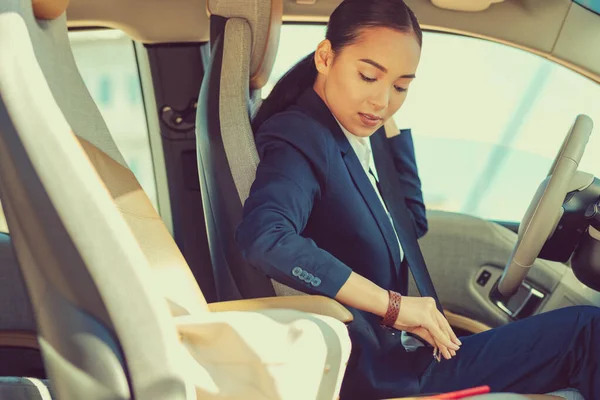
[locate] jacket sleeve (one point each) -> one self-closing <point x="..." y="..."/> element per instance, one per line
<point x="403" y="152"/>
<point x="291" y="175"/>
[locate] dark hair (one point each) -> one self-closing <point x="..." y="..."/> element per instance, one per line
<point x="343" y="29"/>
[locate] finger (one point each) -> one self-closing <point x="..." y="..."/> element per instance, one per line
<point x="443" y="351"/>
<point x="445" y="325"/>
<point x="439" y="335"/>
<point x="424" y="334"/>
<point x="446" y="353"/>
<point x="438" y="351"/>
<point x="453" y="336"/>
<point x="438" y="356"/>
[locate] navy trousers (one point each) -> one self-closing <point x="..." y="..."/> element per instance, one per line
<point x="540" y="354"/>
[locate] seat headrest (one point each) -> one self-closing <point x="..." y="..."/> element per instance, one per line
<point x="49" y="9"/>
<point x="264" y="18"/>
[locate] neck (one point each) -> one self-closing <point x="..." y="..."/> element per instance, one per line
<point x="319" y="88"/>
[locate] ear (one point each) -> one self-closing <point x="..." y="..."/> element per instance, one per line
<point x="324" y="57"/>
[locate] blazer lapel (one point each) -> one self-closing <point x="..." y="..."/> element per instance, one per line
<point x="311" y="103"/>
<point x="367" y="191"/>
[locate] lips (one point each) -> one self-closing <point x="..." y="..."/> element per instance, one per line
<point x="370" y="120"/>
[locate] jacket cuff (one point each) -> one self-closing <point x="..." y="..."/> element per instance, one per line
<point x="327" y="281"/>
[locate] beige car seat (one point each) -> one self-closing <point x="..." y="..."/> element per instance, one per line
<point x="118" y="312"/>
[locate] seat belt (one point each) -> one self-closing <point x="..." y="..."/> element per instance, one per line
<point x="392" y="194"/>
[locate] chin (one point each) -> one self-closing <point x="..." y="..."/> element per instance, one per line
<point x="363" y="131"/>
<point x="358" y="129"/>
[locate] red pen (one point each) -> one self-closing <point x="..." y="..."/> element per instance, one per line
<point x="461" y="394"/>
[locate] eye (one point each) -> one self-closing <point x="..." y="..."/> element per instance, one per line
<point x="366" y="78"/>
<point x="400" y="89"/>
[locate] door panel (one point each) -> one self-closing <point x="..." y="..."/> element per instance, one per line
<point x="458" y="248"/>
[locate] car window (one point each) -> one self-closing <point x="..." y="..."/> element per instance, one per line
<point x="487" y="119"/>
<point x="107" y="62"/>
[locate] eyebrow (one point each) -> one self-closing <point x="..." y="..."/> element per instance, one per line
<point x="382" y="68"/>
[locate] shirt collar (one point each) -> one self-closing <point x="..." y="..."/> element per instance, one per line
<point x="362" y="148"/>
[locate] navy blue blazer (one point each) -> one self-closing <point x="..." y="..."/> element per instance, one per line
<point x="312" y="217"/>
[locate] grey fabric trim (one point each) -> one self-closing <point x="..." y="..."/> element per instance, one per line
<point x="53" y="51"/>
<point x="24" y="389"/>
<point x="283" y="290"/>
<point x="236" y="131"/>
<point x="255" y="102"/>
<point x="257" y="13"/>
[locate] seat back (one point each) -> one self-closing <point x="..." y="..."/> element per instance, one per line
<point x="244" y="41"/>
<point x="54" y="57"/>
<point x="51" y="45"/>
<point x="82" y="258"/>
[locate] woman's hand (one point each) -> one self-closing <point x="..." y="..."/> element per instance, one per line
<point x="420" y="316"/>
<point x="391" y="129"/>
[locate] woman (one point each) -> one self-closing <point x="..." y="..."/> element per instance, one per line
<point x="335" y="210"/>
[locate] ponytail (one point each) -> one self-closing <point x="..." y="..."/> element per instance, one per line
<point x="287" y="90"/>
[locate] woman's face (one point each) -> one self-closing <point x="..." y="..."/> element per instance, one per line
<point x="366" y="82"/>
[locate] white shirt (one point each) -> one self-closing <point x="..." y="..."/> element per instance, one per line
<point x="362" y="148"/>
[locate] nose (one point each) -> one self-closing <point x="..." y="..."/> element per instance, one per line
<point x="380" y="99"/>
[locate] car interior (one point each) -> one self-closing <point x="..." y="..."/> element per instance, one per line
<point x="110" y="291"/>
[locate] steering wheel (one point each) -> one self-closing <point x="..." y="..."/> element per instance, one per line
<point x="545" y="210"/>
